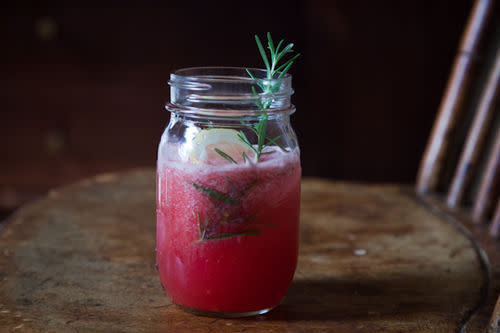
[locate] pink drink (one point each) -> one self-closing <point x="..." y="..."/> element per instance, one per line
<point x="227" y="235"/>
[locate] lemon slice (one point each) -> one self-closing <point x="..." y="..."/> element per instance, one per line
<point x="210" y="144"/>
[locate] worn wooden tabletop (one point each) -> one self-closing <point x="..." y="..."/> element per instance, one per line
<point x="372" y="258"/>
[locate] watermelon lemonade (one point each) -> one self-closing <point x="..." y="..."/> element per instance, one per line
<point x="227" y="233"/>
<point x="228" y="189"/>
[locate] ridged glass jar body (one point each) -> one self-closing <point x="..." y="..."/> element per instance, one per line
<point x="228" y="192"/>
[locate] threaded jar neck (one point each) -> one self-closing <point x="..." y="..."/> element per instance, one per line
<point x="228" y="92"/>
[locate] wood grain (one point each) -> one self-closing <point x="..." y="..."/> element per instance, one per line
<point x="489" y="249"/>
<point x="372" y="258"/>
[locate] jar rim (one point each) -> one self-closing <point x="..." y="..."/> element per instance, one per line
<point x="227" y="91"/>
<point x="220" y="73"/>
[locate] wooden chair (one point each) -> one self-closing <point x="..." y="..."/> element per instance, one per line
<point x="459" y="174"/>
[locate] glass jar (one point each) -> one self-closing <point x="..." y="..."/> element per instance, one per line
<point x="228" y="192"/>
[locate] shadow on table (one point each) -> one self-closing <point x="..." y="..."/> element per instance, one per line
<point x="337" y="299"/>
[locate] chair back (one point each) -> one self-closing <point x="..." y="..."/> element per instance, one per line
<point x="462" y="158"/>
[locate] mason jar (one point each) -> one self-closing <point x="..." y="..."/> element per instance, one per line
<point x="228" y="192"/>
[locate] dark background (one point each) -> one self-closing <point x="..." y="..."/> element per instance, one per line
<point x="83" y="83"/>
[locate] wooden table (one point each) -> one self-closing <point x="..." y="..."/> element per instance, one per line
<point x="372" y="258"/>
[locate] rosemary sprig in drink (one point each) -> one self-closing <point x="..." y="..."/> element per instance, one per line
<point x="216" y="194"/>
<point x="209" y="229"/>
<point x="273" y="72"/>
<point x="268" y="87"/>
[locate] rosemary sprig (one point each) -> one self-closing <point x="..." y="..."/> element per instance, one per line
<point x="233" y="234"/>
<point x="215" y="194"/>
<point x="209" y="229"/>
<point x="273" y="72"/>
<point x="268" y="87"/>
<point x="204" y="235"/>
